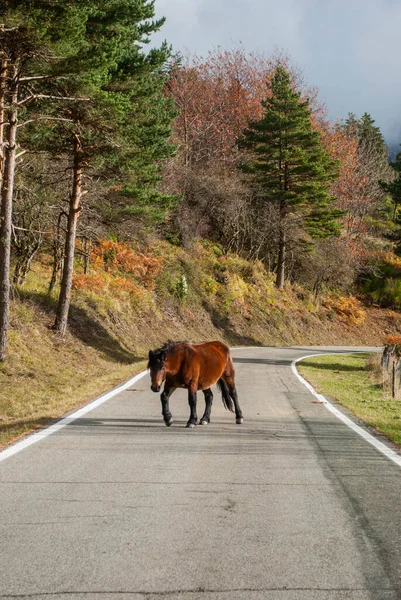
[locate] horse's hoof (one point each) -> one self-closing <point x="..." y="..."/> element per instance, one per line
<point x="204" y="422"/>
<point x="239" y="421"/>
<point x="169" y="422"/>
<point x="191" y="425"/>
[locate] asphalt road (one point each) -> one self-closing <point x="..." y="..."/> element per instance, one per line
<point x="291" y="505"/>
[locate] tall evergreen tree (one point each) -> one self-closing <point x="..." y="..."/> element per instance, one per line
<point x="124" y="131"/>
<point x="81" y="66"/>
<point x="366" y="131"/>
<point x="34" y="35"/>
<point x="394" y="187"/>
<point x="372" y="163"/>
<point x="289" y="167"/>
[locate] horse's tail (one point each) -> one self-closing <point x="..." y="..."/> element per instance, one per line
<point x="228" y="403"/>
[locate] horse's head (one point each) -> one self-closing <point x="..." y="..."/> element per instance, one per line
<point x="157" y="368"/>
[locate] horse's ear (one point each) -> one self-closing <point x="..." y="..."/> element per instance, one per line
<point x="163" y="356"/>
<point x="150" y="354"/>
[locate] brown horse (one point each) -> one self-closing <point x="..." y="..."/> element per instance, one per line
<point x="194" y="367"/>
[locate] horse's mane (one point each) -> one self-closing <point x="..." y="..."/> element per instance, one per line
<point x="170" y="345"/>
<point x="167" y="347"/>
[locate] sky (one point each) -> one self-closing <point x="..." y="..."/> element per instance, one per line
<point x="349" y="49"/>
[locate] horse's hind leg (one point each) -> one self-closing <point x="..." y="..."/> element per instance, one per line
<point x="208" y="400"/>
<point x="228" y="377"/>
<point x="193" y="419"/>
<point x="167" y="416"/>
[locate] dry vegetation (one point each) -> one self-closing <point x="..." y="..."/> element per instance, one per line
<point x="133" y="300"/>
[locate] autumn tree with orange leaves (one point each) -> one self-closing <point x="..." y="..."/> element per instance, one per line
<point x="216" y="97"/>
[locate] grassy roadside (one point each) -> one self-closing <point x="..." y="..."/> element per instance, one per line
<point x="135" y="299"/>
<point x="35" y="405"/>
<point x="353" y="380"/>
<point x="45" y="377"/>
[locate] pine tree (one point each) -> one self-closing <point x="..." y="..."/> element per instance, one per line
<point x="34" y="37"/>
<point x="289" y="167"/>
<point x="123" y="133"/>
<point x="394" y="187"/>
<point x="373" y="167"/>
<point x="80" y="65"/>
<point x="366" y="131"/>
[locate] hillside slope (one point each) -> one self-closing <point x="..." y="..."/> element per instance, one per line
<point x="133" y="301"/>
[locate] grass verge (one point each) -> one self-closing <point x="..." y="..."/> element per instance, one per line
<point x="354" y="381"/>
<point x="44" y="377"/>
<point x="34" y="404"/>
<point x="134" y="300"/>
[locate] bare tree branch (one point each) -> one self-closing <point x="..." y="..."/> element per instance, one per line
<point x="49" y="97"/>
<point x="45" y="119"/>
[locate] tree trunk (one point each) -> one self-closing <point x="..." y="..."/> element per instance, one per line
<point x="23" y="265"/>
<point x="57" y="264"/>
<point x="87" y="245"/>
<point x="393" y="378"/>
<point x="69" y="250"/>
<point x="26" y="244"/>
<point x="17" y="277"/>
<point x="3" y="84"/>
<point x="281" y="261"/>
<point x="58" y="255"/>
<point x="6" y="217"/>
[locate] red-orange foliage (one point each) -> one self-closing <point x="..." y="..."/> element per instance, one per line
<point x="392" y="340"/>
<point x="121" y="270"/>
<point x="119" y="257"/>
<point x="113" y="286"/>
<point x="92" y="283"/>
<point x="218" y="96"/>
<point x="353" y="191"/>
<point x="384" y="256"/>
<point x="361" y="167"/>
<point x="350" y="187"/>
<point x="348" y="308"/>
<point x="215" y="98"/>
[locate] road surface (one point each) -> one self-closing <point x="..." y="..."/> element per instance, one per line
<point x="291" y="505"/>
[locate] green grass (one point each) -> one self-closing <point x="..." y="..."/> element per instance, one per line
<point x="44" y="376"/>
<point x="354" y="380"/>
<point x="111" y="328"/>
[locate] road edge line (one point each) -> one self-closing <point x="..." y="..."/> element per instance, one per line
<point x="33" y="438"/>
<point x="380" y="446"/>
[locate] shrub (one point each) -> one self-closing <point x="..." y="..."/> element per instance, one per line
<point x="209" y="285"/>
<point x="112" y="256"/>
<point x="384" y="285"/>
<point x="92" y="283"/>
<point x="392" y="340"/>
<point x="349" y="309"/>
<point x="182" y="288"/>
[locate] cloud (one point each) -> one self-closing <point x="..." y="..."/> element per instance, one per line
<point x="202" y="25"/>
<point x="348" y="48"/>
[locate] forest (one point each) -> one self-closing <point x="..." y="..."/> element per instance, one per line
<point x="148" y="177"/>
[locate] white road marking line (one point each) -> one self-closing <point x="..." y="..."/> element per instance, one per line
<point x="46" y="431"/>
<point x="383" y="448"/>
<point x="33" y="438"/>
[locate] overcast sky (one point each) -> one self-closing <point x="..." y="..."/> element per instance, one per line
<point x="350" y="49"/>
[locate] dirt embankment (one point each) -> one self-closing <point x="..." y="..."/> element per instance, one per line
<point x="116" y="318"/>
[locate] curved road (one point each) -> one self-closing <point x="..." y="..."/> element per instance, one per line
<point x="292" y="505"/>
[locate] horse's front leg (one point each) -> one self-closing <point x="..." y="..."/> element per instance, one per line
<point x="193" y="419"/>
<point x="208" y="401"/>
<point x="167" y="416"/>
